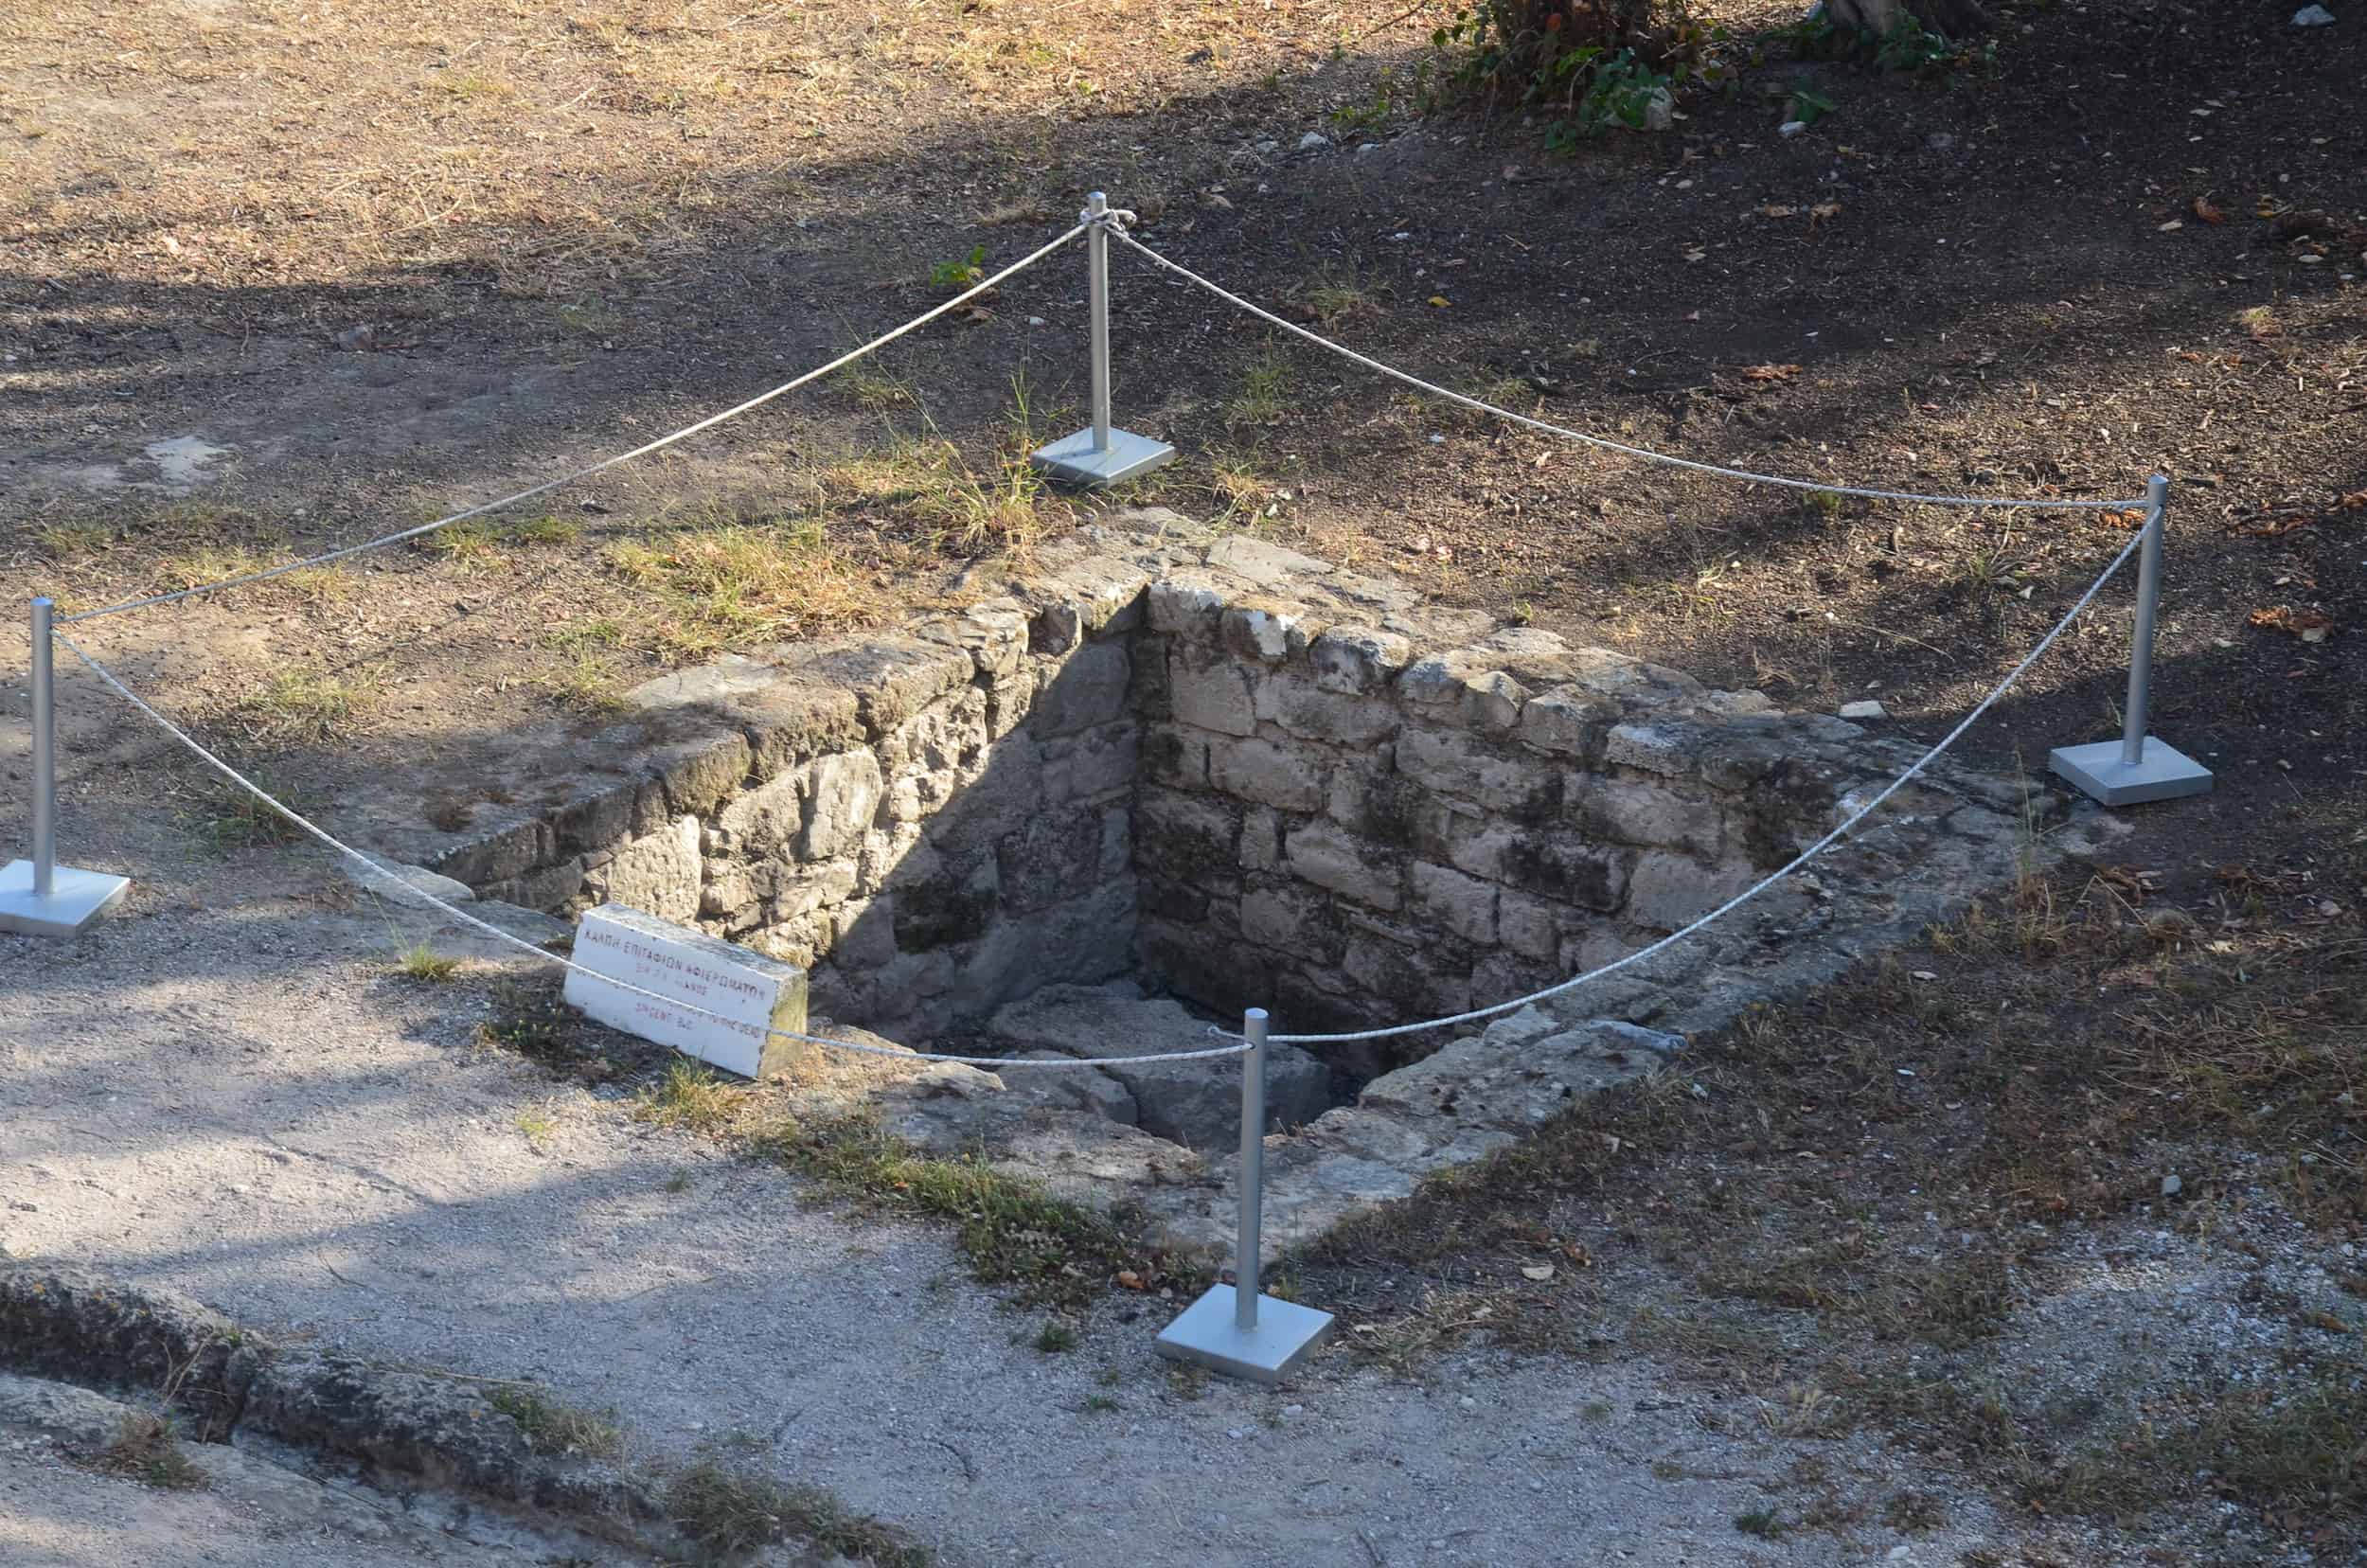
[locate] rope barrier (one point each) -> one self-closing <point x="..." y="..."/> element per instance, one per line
<point x="1552" y="429"/>
<point x="1740" y="899"/>
<point x="384" y="875"/>
<point x="1114" y="224"/>
<point x="644" y="449"/>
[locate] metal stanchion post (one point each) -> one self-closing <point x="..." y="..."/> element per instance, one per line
<point x="37" y="896"/>
<point x="1233" y="1328"/>
<point x="2136" y="768"/>
<point x="1251" y="1212"/>
<point x="1100" y="453"/>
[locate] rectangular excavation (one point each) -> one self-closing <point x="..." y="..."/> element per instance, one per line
<point x="1169" y="774"/>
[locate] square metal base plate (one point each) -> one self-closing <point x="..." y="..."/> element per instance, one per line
<point x="1072" y="460"/>
<point x="75" y="898"/>
<point x="1286" y="1333"/>
<point x="2162" y="772"/>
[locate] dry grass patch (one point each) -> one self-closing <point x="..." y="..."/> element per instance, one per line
<point x="1844" y="1206"/>
<point x="743" y="583"/>
<point x="146" y="1448"/>
<point x="303" y="704"/>
<point x="554" y="1427"/>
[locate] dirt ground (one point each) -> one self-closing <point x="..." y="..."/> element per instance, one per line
<point x="276" y="278"/>
<point x="275" y="1121"/>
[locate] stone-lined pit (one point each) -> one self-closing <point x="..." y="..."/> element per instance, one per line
<point x="1234" y="774"/>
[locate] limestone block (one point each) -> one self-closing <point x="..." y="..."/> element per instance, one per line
<point x="1391" y="809"/>
<point x="1118" y="839"/>
<point x="949" y="735"/>
<point x="1599" y="669"/>
<point x="1737" y="763"/>
<point x="1475" y="1083"/>
<point x="1261" y="838"/>
<point x="1008" y="700"/>
<point x="888" y="854"/>
<point x="1186" y="602"/>
<point x="1534" y="657"/>
<point x="658" y="874"/>
<point x="1292" y="919"/>
<point x="1105" y="590"/>
<point x="1631" y="811"/>
<point x="955" y="903"/>
<point x="1096" y="1093"/>
<point x="792" y="720"/>
<point x="1184" y="836"/>
<point x="496" y="855"/>
<point x="1283" y="776"/>
<point x="547" y="887"/>
<point x="1208" y="968"/>
<point x="793" y="888"/>
<point x="800" y="940"/>
<point x="1270" y="566"/>
<point x="1196" y="1103"/>
<point x="866" y="933"/>
<point x="1210" y="691"/>
<point x="1184" y="903"/>
<point x="1670" y="890"/>
<point x="1175" y="756"/>
<point x="728" y="889"/>
<point x="1354" y="661"/>
<point x="841" y="793"/>
<point x="1006" y="789"/>
<point x="892" y="677"/>
<point x="1319" y="852"/>
<point x="1463" y="687"/>
<point x="993" y="634"/>
<point x="1456" y="763"/>
<point x="1556" y="865"/>
<point x="1308" y="712"/>
<point x="1439" y="625"/>
<point x="1087" y="691"/>
<point x="1533" y="927"/>
<point x="1098" y="762"/>
<point x="1655" y="746"/>
<point x="1412" y="981"/>
<point x="1088" y="939"/>
<point x="1055" y="855"/>
<point x="914" y="796"/>
<point x="767" y="817"/>
<point x="1568" y="721"/>
<point x="1268" y="630"/>
<point x="1464" y="905"/>
<point x="596" y="818"/>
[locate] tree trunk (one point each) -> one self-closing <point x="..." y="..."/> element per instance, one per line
<point x="1949" y="18"/>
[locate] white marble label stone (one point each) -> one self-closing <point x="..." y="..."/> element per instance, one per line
<point x="740" y="994"/>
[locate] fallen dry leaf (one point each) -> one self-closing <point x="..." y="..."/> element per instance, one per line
<point x="2310" y="626"/>
<point x="1441" y="301"/>
<point x="1824" y="209"/>
<point x="2354" y="501"/>
<point x="1778" y="211"/>
<point x="1537" y="1271"/>
<point x="2272" y="527"/>
<point x="1770" y="373"/>
<point x="1131" y="1280"/>
<point x="2209" y="214"/>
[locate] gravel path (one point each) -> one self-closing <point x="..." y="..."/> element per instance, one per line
<point x="239" y="1101"/>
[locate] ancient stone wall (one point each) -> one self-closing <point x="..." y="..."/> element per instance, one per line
<point x="933" y="822"/>
<point x="1234" y="771"/>
<point x="1347" y="823"/>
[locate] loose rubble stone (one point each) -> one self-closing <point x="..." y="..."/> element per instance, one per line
<point x="1194" y="1103"/>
